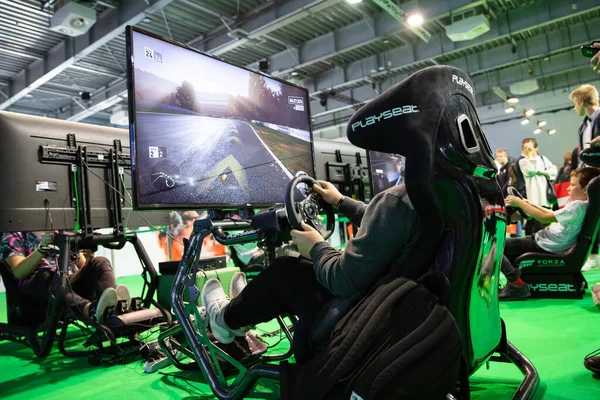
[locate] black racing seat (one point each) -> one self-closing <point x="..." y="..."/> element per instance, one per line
<point x="430" y="119"/>
<point x="18" y="311"/>
<point x="559" y="275"/>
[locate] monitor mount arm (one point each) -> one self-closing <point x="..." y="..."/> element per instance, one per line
<point x="79" y="159"/>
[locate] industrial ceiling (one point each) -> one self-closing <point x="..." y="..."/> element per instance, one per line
<point x="345" y="54"/>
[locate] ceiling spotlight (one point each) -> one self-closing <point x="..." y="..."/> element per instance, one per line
<point x="147" y="20"/>
<point x="512" y="100"/>
<point x="294" y="73"/>
<point x="530" y="112"/>
<point x="323" y="100"/>
<point x="415" y="20"/>
<point x="537" y="131"/>
<point x="354" y="1"/>
<point x="551" y="131"/>
<point x="509" y="109"/>
<point x="541" y="123"/>
<point x="524" y="121"/>
<point x="373" y="70"/>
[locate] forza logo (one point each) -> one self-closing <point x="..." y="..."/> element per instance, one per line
<point x="460" y="81"/>
<point x="551" y="263"/>
<point x="394" y="112"/>
<point x="552" y="287"/>
<point x="525" y="264"/>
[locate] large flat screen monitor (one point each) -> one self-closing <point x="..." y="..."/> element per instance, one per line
<point x="39" y="195"/>
<point x="209" y="134"/>
<point x="385" y="170"/>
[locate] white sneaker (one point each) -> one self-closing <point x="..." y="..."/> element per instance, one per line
<point x="106" y="302"/>
<point x="592" y="263"/>
<point x="237" y="284"/>
<point x="123" y="294"/>
<point x="215" y="301"/>
<point x="596" y="294"/>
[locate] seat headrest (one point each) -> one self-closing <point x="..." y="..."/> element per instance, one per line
<point x="405" y="118"/>
<point x="591" y="156"/>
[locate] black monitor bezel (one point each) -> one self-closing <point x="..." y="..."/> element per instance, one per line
<point x="132" y="123"/>
<point x="373" y="194"/>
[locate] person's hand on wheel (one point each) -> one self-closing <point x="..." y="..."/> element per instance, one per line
<point x="514" y="201"/>
<point x="306" y="239"/>
<point x="47" y="238"/>
<point x="596" y="142"/>
<point x="596" y="59"/>
<point x="328" y="192"/>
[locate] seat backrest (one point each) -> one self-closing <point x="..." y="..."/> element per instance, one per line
<point x="13" y="308"/>
<point x="586" y="239"/>
<point x="430" y="118"/>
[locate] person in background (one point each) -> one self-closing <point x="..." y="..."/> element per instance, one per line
<point x="564" y="173"/>
<point x="586" y="104"/>
<point x="33" y="261"/>
<point x="558" y="238"/>
<point x="506" y="174"/>
<point x="537" y="172"/>
<point x="507" y="177"/>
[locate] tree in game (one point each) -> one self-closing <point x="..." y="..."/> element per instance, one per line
<point x="186" y="96"/>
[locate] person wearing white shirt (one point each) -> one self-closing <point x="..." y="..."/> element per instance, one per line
<point x="559" y="237"/>
<point x="537" y="171"/>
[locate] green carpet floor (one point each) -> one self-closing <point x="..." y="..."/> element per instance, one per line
<point x="554" y="334"/>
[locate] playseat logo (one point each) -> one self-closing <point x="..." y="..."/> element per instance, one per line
<point x="394" y="112"/>
<point x="552" y="287"/>
<point x="460" y="81"/>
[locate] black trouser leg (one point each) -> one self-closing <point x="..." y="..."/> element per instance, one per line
<point x="89" y="282"/>
<point x="289" y="286"/>
<point x="513" y="249"/>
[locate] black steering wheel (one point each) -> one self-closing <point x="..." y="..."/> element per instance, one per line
<point x="308" y="210"/>
<point x="510" y="210"/>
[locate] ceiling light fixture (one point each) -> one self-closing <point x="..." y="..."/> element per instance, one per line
<point x="530" y="112"/>
<point x="551" y="131"/>
<point x="537" y="131"/>
<point x="354" y="1"/>
<point x="509" y="109"/>
<point x="542" y="123"/>
<point x="415" y="20"/>
<point x="524" y="121"/>
<point x="512" y="100"/>
<point x="294" y="73"/>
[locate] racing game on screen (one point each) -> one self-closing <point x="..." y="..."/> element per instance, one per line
<point x="387" y="170"/>
<point x="211" y="133"/>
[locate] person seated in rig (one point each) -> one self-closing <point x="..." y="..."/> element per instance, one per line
<point x="300" y="287"/>
<point x="92" y="289"/>
<point x="558" y="238"/>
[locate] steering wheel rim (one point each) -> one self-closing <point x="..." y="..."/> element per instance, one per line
<point x="308" y="209"/>
<point x="510" y="210"/>
<point x="514" y="192"/>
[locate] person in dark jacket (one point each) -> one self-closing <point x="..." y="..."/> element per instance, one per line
<point x="388" y="230"/>
<point x="506" y="172"/>
<point x="564" y="173"/>
<point x="587" y="104"/>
